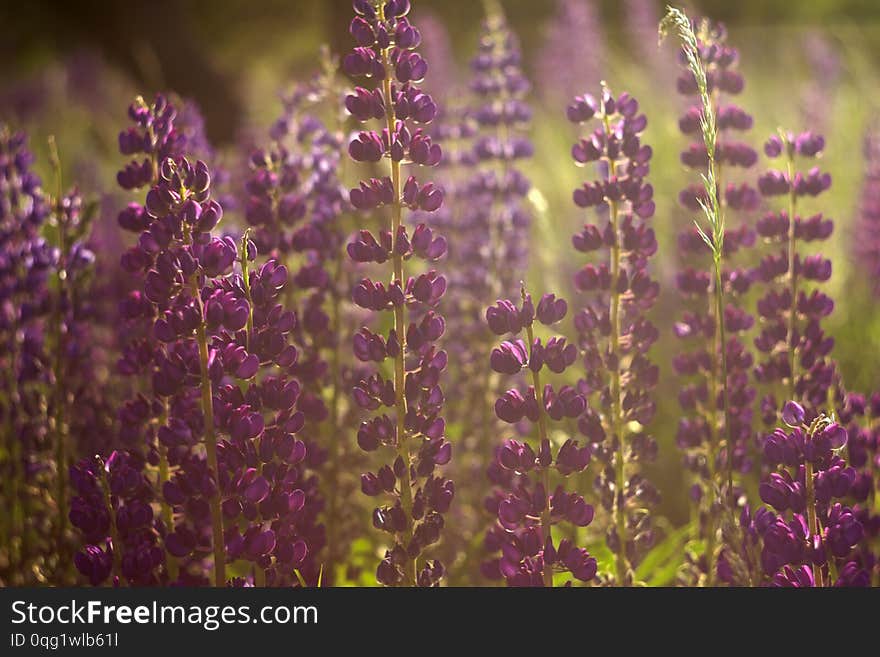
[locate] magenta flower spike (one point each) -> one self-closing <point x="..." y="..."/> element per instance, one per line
<point x="614" y="334"/>
<point x="414" y="435"/>
<point x="530" y="497"/>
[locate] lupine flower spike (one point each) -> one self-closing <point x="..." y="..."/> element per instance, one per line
<point x="614" y="334"/>
<point x="415" y="435"/>
<point x="528" y="501"/>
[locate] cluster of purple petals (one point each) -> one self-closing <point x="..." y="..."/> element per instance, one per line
<point x="859" y="414"/>
<point x="187" y="289"/>
<point x="616" y="283"/>
<point x="152" y="137"/>
<point x="306" y="156"/>
<point x="406" y="423"/>
<point x="26" y="262"/>
<point x="295" y="200"/>
<point x="794" y="553"/>
<point x="497" y="188"/>
<point x="702" y="425"/>
<point x="490" y="219"/>
<point x="524" y="504"/>
<point x="793" y="288"/>
<point x="114" y="501"/>
<point x="88" y="408"/>
<point x="191" y="287"/>
<point x="271" y="503"/>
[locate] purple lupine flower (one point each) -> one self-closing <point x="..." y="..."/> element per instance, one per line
<point x="714" y="432"/>
<point x="80" y="406"/>
<point x="270" y="492"/>
<point x="497" y="189"/>
<point x="149" y="141"/>
<point x="575" y="25"/>
<point x="795" y="349"/>
<point x="525" y="501"/>
<point x="153" y="137"/>
<point x="415" y="435"/>
<point x="83" y="336"/>
<point x="246" y="499"/>
<point x="313" y="154"/>
<point x="483" y="135"/>
<point x="614" y="334"/>
<point x="112" y="507"/>
<point x="859" y="414"/>
<point x="813" y="537"/>
<point x="25" y="265"/>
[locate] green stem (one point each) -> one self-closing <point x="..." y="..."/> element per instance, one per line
<point x="617" y="429"/>
<point x="167" y="515"/>
<point x="59" y="421"/>
<point x="406" y="500"/>
<point x="725" y="383"/>
<point x="245" y="277"/>
<point x="546" y="522"/>
<point x="114" y="533"/>
<point x="812" y="519"/>
<point x="61" y="401"/>
<point x="210" y="444"/>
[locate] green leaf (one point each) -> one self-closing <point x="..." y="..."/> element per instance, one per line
<point x="659" y="566"/>
<point x="604" y="557"/>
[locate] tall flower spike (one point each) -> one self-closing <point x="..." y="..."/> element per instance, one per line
<point x="455" y="126"/>
<point x="25" y="265"/>
<point x="222" y="371"/>
<point x="297" y="206"/>
<point x="529" y="498"/>
<point x="715" y="433"/>
<point x="415" y="433"/>
<point x="487" y="212"/>
<point x="796" y="351"/>
<point x="80" y="407"/>
<point x="614" y="334"/>
<point x="498" y="188"/>
<point x="153" y="136"/>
